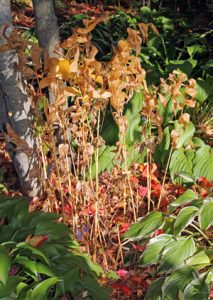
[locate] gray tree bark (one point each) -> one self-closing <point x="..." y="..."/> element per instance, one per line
<point x="16" y="118"/>
<point x="46" y="25"/>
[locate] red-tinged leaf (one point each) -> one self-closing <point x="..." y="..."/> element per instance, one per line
<point x="116" y="286"/>
<point x="142" y="191"/>
<point x="144" y="283"/>
<point x="211" y="294"/>
<point x="138" y="247"/>
<point x="164" y="202"/>
<point x="204" y="193"/>
<point x="158" y="232"/>
<point x="126" y="290"/>
<point x="89" y="210"/>
<point x="124" y="227"/>
<point x="67" y="209"/>
<point x="203" y="181"/>
<point x="156" y="186"/>
<point x="36" y="241"/>
<point x="134" y="179"/>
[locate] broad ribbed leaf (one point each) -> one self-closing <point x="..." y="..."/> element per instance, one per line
<point x="197" y="290"/>
<point x="40" y="292"/>
<point x="94" y="290"/>
<point x="199" y="260"/>
<point x="203" y="162"/>
<point x="35" y="251"/>
<point x="184" y="198"/>
<point x="132" y="112"/>
<point x="175" y="253"/>
<point x="44" y="269"/>
<point x="9" y="288"/>
<point x="162" y="150"/>
<point x="186" y="135"/>
<point x="27" y="263"/>
<point x="152" y="253"/>
<point x="105" y="160"/>
<point x="54" y="231"/>
<point x="184" y="218"/>
<point x="181" y="161"/>
<point x="206" y="215"/>
<point x="145" y="226"/>
<point x="154" y="291"/>
<point x="177" y="281"/>
<point x="4" y="264"/>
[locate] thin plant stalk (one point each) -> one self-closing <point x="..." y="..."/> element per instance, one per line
<point x="164" y="178"/>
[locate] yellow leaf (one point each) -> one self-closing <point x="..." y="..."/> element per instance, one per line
<point x="85" y="98"/>
<point x="99" y="79"/>
<point x="64" y="67"/>
<point x="72" y="91"/>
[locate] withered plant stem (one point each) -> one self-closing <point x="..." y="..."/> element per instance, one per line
<point x="96" y="225"/>
<point x="164" y="177"/>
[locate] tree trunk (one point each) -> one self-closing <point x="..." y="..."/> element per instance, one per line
<point x="16" y="118"/>
<point x="46" y="25"/>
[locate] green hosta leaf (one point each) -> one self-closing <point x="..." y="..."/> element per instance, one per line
<point x="94" y="290"/>
<point x="175" y="253"/>
<point x="200" y="260"/>
<point x="40" y="292"/>
<point x="44" y="269"/>
<point x="33" y="251"/>
<point x="186" y="135"/>
<point x="168" y="112"/>
<point x="145" y="226"/>
<point x="197" y="290"/>
<point x="196" y="48"/>
<point x="162" y="150"/>
<point x="41" y="217"/>
<point x="72" y="282"/>
<point x="26" y="263"/>
<point x="5" y="263"/>
<point x="206" y="215"/>
<point x="197" y="142"/>
<point x="9" y="288"/>
<point x="181" y="161"/>
<point x="203" y="162"/>
<point x="154" y="291"/>
<point x="187" y="196"/>
<point x="204" y="89"/>
<point x="184" y="66"/>
<point x="54" y="231"/>
<point x="186" y="176"/>
<point x="177" y="281"/>
<point x="105" y="160"/>
<point x="152" y="253"/>
<point x="184" y="218"/>
<point x="132" y="112"/>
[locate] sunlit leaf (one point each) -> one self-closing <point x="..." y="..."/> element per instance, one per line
<point x="151" y="255"/>
<point x="40" y="292"/>
<point x="176" y="252"/>
<point x="177" y="281"/>
<point x="184" y="198"/>
<point x="184" y="218"/>
<point x="196" y="290"/>
<point x="206" y="215"/>
<point x="5" y="263"/>
<point x="145" y="226"/>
